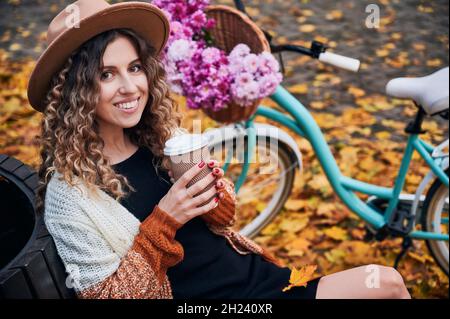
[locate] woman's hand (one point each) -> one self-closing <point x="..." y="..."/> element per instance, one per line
<point x="181" y="202"/>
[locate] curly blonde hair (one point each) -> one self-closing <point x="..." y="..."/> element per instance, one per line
<point x="70" y="140"/>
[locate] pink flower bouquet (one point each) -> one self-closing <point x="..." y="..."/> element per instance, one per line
<point x="208" y="77"/>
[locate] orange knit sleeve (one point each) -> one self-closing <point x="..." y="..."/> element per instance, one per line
<point x="142" y="272"/>
<point x="156" y="242"/>
<point x="224" y="213"/>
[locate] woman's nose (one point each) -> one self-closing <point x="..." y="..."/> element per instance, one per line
<point x="128" y="86"/>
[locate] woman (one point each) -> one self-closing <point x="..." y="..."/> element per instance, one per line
<point x="107" y="114"/>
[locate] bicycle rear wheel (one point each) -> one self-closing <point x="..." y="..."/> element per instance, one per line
<point x="267" y="186"/>
<point x="435" y="219"/>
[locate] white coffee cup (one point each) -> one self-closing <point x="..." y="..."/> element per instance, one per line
<point x="186" y="151"/>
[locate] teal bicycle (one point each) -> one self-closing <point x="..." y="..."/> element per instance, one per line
<point x="388" y="212"/>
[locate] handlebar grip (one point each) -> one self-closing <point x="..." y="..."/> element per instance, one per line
<point x="340" y="61"/>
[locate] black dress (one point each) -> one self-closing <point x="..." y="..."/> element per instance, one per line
<point x="211" y="268"/>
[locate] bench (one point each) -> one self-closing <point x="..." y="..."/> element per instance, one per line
<point x="30" y="267"/>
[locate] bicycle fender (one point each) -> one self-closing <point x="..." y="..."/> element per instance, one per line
<point x="429" y="178"/>
<point x="232" y="131"/>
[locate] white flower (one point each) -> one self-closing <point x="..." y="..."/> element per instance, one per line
<point x="240" y="51"/>
<point x="180" y="50"/>
<point x="251" y="63"/>
<point x="252" y="91"/>
<point x="268" y="63"/>
<point x="243" y="79"/>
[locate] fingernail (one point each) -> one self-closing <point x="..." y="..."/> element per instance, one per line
<point x="216" y="170"/>
<point x="202" y="164"/>
<point x="211" y="164"/>
<point x="216" y="199"/>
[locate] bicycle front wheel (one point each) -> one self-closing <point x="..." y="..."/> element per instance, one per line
<point x="435" y="219"/>
<point x="268" y="184"/>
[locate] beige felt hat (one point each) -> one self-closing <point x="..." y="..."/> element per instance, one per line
<point x="94" y="17"/>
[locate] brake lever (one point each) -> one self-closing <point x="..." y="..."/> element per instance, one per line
<point x="280" y="56"/>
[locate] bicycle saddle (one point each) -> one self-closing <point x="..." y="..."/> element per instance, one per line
<point x="430" y="92"/>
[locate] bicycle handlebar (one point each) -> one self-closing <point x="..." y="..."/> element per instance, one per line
<point x="316" y="51"/>
<point x="340" y="61"/>
<point x="240" y="6"/>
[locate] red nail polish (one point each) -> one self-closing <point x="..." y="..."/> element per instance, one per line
<point x="216" y="199"/>
<point x="216" y="170"/>
<point x="202" y="164"/>
<point x="211" y="164"/>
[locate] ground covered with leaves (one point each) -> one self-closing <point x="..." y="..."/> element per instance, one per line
<point x="364" y="127"/>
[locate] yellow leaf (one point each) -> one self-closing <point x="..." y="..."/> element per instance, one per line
<point x="358" y="117"/>
<point x="300" y="278"/>
<point x="15" y="47"/>
<point x="298" y="247"/>
<point x="336" y="233"/>
<point x="335" y="255"/>
<point x="424" y="9"/>
<point x="375" y="103"/>
<point x="299" y="89"/>
<point x="334" y="15"/>
<point x="383" y="135"/>
<point x="389" y="46"/>
<point x="252" y="11"/>
<point x="326" y="209"/>
<point x="307" y="13"/>
<point x="356" y="92"/>
<point x="358" y="233"/>
<point x="382" y="53"/>
<point x="270" y="230"/>
<point x="434" y="62"/>
<point x="320" y="183"/>
<point x="393" y="124"/>
<point x="319" y="105"/>
<point x="25" y="33"/>
<point x="53" y="8"/>
<point x="419" y="46"/>
<point x="358" y="252"/>
<point x="396" y="36"/>
<point x="260" y="206"/>
<point x="423" y="259"/>
<point x="367" y="164"/>
<point x="307" y="28"/>
<point x="294" y="225"/>
<point x="294" y="204"/>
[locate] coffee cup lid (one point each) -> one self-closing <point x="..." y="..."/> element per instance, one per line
<point x="185" y="143"/>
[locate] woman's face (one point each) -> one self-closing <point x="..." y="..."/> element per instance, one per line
<point x="123" y="86"/>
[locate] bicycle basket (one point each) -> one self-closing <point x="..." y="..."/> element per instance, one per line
<point x="232" y="28"/>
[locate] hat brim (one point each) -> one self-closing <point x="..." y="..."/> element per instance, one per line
<point x="146" y="20"/>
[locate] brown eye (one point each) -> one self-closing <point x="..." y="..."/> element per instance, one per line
<point x="105" y="75"/>
<point x="136" y="68"/>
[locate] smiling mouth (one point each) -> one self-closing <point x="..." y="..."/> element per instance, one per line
<point x="128" y="105"/>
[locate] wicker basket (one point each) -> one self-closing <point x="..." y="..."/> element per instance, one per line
<point x="233" y="27"/>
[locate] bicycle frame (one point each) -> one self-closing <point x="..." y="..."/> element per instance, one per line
<point x="303" y="124"/>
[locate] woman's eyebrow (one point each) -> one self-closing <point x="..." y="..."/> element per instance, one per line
<point x="113" y="67"/>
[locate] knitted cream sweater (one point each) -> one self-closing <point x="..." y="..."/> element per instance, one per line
<point x="108" y="253"/>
